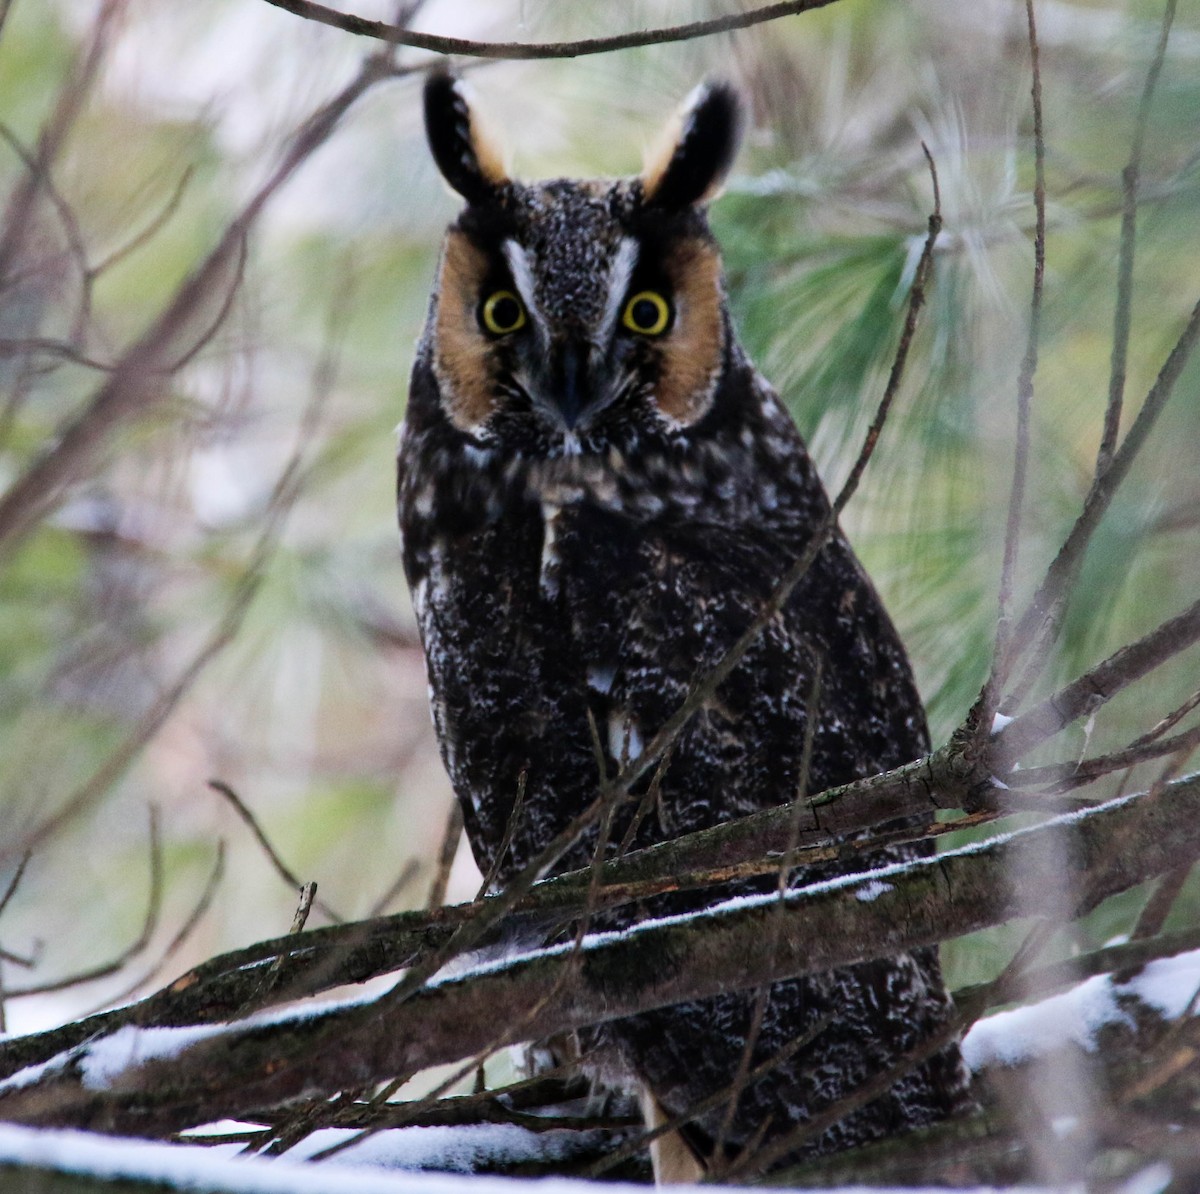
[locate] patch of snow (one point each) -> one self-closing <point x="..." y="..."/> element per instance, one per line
<point x="33" y="1073"/>
<point x="1008" y="1038"/>
<point x="1152" y="1180"/>
<point x="188" y="1167"/>
<point x="1000" y="721"/>
<point x="454" y="1149"/>
<point x="869" y="892"/>
<point x="1168" y="984"/>
<point x="184" y="1167"/>
<point x="104" y="1060"/>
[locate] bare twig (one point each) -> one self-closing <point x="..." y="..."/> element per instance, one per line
<point x="780" y="1057"/>
<point x="149" y="923"/>
<point x="1172" y="719"/>
<point x="1012" y="532"/>
<point x="152" y="228"/>
<point x="449" y="847"/>
<point x="1047" y="602"/>
<point x="281" y="868"/>
<point x="185" y="931"/>
<point x="1122" y="316"/>
<point x="1064" y="777"/>
<point x="70" y="226"/>
<point x="399" y="35"/>
<point x="753" y="1162"/>
<point x="510" y="828"/>
<point x="15" y="881"/>
<point x="408" y="872"/>
<point x="135" y="380"/>
<point x="1097" y="686"/>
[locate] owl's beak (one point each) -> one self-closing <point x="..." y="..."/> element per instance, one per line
<point x="568" y="389"/>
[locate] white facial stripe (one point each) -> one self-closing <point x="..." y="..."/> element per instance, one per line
<point x="518" y="265"/>
<point x="618" y="283"/>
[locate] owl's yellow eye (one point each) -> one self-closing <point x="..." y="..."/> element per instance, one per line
<point x="647" y="313"/>
<point x="502" y="313"/>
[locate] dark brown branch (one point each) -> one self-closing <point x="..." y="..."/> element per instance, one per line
<point x="399" y="35"/>
<point x="337" y="955"/>
<point x="659" y="965"/>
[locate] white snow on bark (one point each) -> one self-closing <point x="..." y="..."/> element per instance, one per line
<point x="1076" y="1016"/>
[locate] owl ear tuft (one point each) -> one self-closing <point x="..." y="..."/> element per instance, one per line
<point x="696" y="149"/>
<point x="470" y="159"/>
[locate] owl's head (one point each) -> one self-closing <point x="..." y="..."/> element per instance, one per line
<point x="575" y="315"/>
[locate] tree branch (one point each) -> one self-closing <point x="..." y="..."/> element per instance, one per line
<point x="171" y="1081"/>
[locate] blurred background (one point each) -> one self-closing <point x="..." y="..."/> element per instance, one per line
<point x="216" y="592"/>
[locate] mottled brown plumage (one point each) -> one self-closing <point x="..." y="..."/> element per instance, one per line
<point x="597" y="492"/>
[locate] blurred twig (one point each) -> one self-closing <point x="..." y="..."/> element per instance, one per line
<point x="992" y="696"/>
<point x="445" y="859"/>
<point x="136" y="380"/>
<point x="400" y="35"/>
<point x="185" y="930"/>
<point x="149" y="924"/>
<point x="1122" y="316"/>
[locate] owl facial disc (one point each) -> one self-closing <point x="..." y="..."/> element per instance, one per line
<point x="574" y="316"/>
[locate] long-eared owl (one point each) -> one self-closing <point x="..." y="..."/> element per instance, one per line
<point x="597" y="493"/>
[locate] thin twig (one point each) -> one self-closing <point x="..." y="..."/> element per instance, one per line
<point x="281" y="868"/>
<point x="153" y="227"/>
<point x="1122" y="316"/>
<point x="15" y="881"/>
<point x="408" y="872"/>
<point x="786" y="864"/>
<point x="399" y="35"/>
<point x="965" y="1014"/>
<point x="176" y="943"/>
<point x="1065" y="777"/>
<point x="1172" y="719"/>
<point x="149" y="924"/>
<point x="711" y="1102"/>
<point x="510" y="829"/>
<point x="1047" y="603"/>
<point x="1012" y="531"/>
<point x="1097" y="686"/>
<point x="449" y="847"/>
<point x="70" y="226"/>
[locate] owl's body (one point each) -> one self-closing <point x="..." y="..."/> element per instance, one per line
<point x="597" y="494"/>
